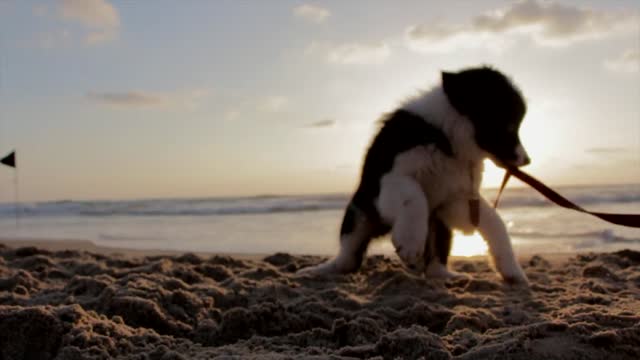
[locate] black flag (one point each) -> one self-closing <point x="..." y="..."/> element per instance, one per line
<point x="9" y="160"/>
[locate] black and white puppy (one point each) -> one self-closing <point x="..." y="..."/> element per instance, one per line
<point x="423" y="168"/>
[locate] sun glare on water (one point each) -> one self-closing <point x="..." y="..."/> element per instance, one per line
<point x="468" y="245"/>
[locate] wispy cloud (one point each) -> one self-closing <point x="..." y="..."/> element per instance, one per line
<point x="350" y="53"/>
<point x="187" y="99"/>
<point x="98" y="19"/>
<point x="191" y="99"/>
<point x="547" y="23"/>
<point x="311" y="13"/>
<point x="346" y="166"/>
<point x="608" y="150"/>
<point x="53" y="39"/>
<point x="91" y="13"/>
<point x="355" y="53"/>
<point x="274" y="103"/>
<point x="128" y="99"/>
<point x="627" y="62"/>
<point x="322" y="124"/>
<point x="231" y="115"/>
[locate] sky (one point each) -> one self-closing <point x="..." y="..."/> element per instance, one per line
<point x="108" y="99"/>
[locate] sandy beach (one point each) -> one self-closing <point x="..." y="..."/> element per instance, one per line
<point x="73" y="300"/>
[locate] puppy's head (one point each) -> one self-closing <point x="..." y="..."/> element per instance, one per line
<point x="494" y="106"/>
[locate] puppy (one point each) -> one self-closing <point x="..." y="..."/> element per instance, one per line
<point x="423" y="170"/>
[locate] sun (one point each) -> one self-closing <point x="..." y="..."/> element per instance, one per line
<point x="468" y="245"/>
<point x="463" y="245"/>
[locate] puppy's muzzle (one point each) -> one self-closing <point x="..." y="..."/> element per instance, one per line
<point x="522" y="158"/>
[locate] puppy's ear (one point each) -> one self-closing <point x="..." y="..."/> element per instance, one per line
<point x="447" y="76"/>
<point x="455" y="91"/>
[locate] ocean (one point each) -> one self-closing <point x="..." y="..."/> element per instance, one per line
<point x="309" y="224"/>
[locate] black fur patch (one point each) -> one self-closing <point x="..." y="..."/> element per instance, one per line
<point x="349" y="221"/>
<point x="400" y="131"/>
<point x="442" y="240"/>
<point x="494" y="106"/>
<point x="438" y="244"/>
<point x="353" y="217"/>
<point x="359" y="254"/>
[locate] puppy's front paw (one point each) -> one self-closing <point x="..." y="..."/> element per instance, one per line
<point x="412" y="254"/>
<point x="514" y="275"/>
<point x="437" y="270"/>
<point x="326" y="268"/>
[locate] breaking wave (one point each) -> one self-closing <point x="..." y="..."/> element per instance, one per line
<point x="522" y="197"/>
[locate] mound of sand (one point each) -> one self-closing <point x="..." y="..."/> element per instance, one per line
<point x="81" y="305"/>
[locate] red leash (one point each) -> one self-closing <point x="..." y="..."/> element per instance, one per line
<point x="631" y="220"/>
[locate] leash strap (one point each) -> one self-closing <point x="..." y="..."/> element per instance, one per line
<point x="631" y="220"/>
<point x="507" y="175"/>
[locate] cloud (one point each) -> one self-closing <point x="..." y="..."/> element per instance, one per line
<point x="311" y="13"/>
<point x="231" y="115"/>
<point x="440" y="37"/>
<point x="627" y="62"/>
<point x="322" y="124"/>
<point x="350" y="53"/>
<point x="607" y="150"/>
<point x="190" y="99"/>
<point x="91" y="13"/>
<point x="355" y="53"/>
<point x="96" y="37"/>
<point x="128" y="99"/>
<point x="53" y="39"/>
<point x="187" y="99"/>
<point x="547" y="23"/>
<point x="346" y="166"/>
<point x="99" y="18"/>
<point x="274" y="103"/>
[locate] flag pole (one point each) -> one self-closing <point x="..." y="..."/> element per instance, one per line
<point x="16" y="195"/>
<point x="10" y="161"/>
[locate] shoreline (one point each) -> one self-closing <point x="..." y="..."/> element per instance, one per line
<point x="89" y="246"/>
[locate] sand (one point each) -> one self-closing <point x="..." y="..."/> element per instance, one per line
<point x="91" y="304"/>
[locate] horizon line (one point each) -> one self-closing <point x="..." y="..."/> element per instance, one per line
<point x="222" y="197"/>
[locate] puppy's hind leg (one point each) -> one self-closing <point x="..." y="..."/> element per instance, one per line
<point x="437" y="251"/>
<point x="355" y="234"/>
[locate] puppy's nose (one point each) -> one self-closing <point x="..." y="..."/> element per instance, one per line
<point x="522" y="156"/>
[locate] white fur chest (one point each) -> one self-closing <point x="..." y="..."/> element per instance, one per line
<point x="442" y="178"/>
